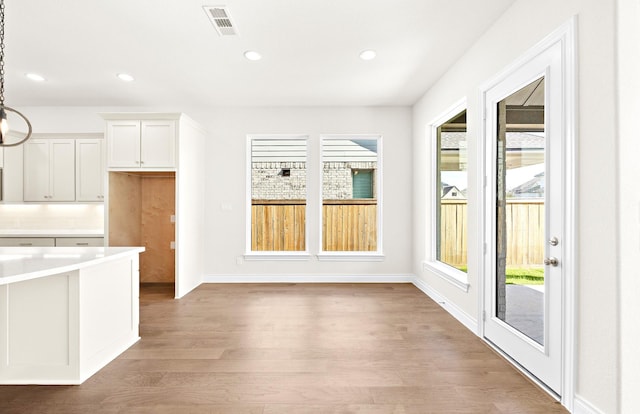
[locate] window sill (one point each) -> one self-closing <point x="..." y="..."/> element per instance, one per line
<point x="350" y="257"/>
<point x="293" y="256"/>
<point x="452" y="275"/>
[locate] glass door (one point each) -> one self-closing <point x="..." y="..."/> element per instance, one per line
<point x="520" y="211"/>
<point x="523" y="279"/>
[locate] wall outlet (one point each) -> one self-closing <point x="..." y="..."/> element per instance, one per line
<point x="239" y="260"/>
<point x="172" y="245"/>
<point x="172" y="218"/>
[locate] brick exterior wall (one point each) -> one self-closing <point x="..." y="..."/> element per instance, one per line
<point x="268" y="183"/>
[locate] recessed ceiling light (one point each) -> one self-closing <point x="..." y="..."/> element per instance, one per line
<point x="125" y="77"/>
<point x="367" y="54"/>
<point x="252" y="55"/>
<point x="35" y="77"/>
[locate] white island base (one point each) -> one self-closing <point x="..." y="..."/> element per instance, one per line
<point x="65" y="312"/>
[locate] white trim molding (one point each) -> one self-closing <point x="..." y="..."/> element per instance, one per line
<point x="582" y="406"/>
<point x="256" y="256"/>
<point x="463" y="317"/>
<point x="350" y="257"/>
<point x="452" y="275"/>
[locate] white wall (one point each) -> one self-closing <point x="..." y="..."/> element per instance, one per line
<point x="226" y="186"/>
<point x="523" y="25"/>
<point x="629" y="207"/>
<point x="191" y="209"/>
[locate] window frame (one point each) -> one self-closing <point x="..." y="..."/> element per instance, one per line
<point x="273" y="254"/>
<point x="372" y="256"/>
<point x="447" y="272"/>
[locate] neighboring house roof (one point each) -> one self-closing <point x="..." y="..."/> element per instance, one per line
<point x="531" y="188"/>
<point x="295" y="150"/>
<point x="452" y="192"/>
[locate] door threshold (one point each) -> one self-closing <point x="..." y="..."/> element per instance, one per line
<point x="524" y="371"/>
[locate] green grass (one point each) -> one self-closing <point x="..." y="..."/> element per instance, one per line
<point x="525" y="275"/>
<point x="521" y="275"/>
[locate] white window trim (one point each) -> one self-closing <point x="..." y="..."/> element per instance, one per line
<point x="350" y="256"/>
<point x="272" y="255"/>
<point x="277" y="255"/>
<point x="377" y="255"/>
<point x="452" y="275"/>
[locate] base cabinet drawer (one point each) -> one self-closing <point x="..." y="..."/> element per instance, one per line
<point x="27" y="241"/>
<point x="79" y="241"/>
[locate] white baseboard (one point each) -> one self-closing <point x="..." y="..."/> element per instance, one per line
<point x="463" y="317"/>
<point x="261" y="278"/>
<point x="581" y="406"/>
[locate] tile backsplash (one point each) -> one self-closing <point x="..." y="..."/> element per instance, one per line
<point x="51" y="216"/>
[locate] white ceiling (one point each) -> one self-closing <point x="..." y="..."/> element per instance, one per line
<point x="310" y="51"/>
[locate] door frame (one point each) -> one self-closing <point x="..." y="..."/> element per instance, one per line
<point x="566" y="36"/>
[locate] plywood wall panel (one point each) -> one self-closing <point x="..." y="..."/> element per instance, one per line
<point x="158" y="202"/>
<point x="124" y="209"/>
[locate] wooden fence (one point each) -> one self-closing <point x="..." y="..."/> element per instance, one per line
<point x="278" y="225"/>
<point x="351" y="225"/>
<point x="525" y="232"/>
<point x="347" y="225"/>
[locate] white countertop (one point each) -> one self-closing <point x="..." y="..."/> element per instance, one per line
<point x="25" y="263"/>
<point x="52" y="233"/>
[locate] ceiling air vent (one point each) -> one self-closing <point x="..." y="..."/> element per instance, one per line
<point x="221" y="20"/>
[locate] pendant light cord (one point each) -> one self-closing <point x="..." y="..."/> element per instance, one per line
<point x="4" y="109"/>
<point x="1" y="52"/>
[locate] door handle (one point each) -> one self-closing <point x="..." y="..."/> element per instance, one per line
<point x="551" y="261"/>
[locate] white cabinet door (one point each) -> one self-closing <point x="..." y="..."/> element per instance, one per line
<point x="89" y="170"/>
<point x="12" y="174"/>
<point x="36" y="170"/>
<point x="158" y="144"/>
<point x="123" y="144"/>
<point x="49" y="170"/>
<point x="63" y="170"/>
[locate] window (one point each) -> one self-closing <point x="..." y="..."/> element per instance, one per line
<point x="351" y="172"/>
<point x="447" y="254"/>
<point x="362" y="181"/>
<point x="278" y="174"/>
<point x="451" y="200"/>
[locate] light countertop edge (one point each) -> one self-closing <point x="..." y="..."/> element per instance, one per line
<point x="47" y="261"/>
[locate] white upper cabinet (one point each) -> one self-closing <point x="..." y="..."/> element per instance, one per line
<point x="89" y="170"/>
<point x="141" y="144"/>
<point x="12" y="174"/>
<point x="123" y="144"/>
<point x="49" y="170"/>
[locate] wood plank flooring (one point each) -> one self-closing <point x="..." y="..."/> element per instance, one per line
<point x="294" y="348"/>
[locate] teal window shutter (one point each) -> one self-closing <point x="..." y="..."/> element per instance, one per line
<point x="362" y="183"/>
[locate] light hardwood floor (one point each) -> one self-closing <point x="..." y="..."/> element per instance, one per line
<point x="294" y="348"/>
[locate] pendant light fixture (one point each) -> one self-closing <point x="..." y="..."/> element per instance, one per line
<point x="4" y="126"/>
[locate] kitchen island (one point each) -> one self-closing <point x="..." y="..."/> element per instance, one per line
<point x="65" y="312"/>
